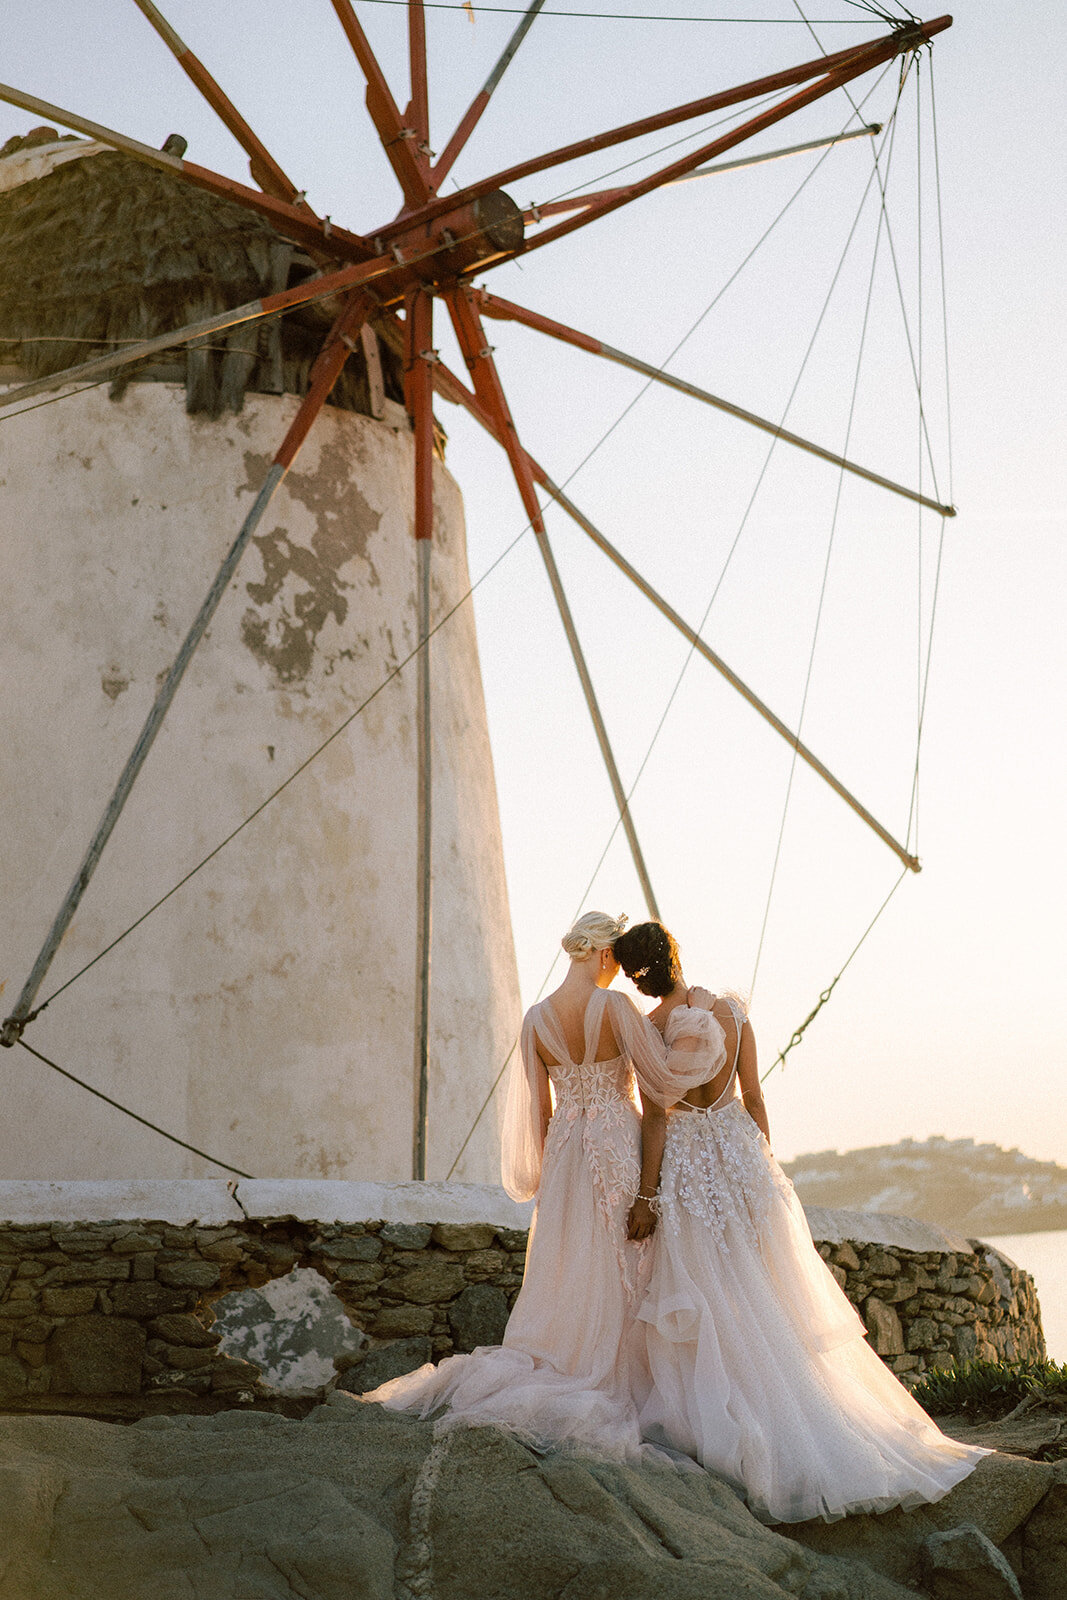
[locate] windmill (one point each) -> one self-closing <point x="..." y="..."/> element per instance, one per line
<point x="395" y="275"/>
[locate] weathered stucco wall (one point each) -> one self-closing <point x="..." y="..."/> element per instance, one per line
<point x="115" y="1318"/>
<point x="266" y="1012"/>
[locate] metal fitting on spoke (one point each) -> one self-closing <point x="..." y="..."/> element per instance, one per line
<point x="11" y="1031"/>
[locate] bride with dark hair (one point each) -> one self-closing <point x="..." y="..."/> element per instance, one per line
<point x="758" y="1365"/>
<point x="571" y="1361"/>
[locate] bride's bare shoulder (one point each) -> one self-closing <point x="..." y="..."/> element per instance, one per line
<point x="619" y="1002"/>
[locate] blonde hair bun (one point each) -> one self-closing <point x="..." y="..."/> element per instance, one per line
<point x="594" y="931"/>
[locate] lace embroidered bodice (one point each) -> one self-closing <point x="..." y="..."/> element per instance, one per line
<point x="717" y="1165"/>
<point x="600" y="1094"/>
<point x="596" y="1102"/>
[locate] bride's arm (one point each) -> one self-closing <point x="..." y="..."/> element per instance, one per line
<point x="522" y="1136"/>
<point x="748" y="1077"/>
<point x="641" y="1221"/>
<point x="544" y="1099"/>
<point x="666" y="1073"/>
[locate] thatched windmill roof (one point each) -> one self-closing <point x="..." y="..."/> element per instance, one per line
<point x="105" y="250"/>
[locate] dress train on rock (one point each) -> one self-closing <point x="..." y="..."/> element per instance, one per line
<point x="758" y="1365"/>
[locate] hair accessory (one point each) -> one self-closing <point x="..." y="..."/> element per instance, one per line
<point x="641" y="972"/>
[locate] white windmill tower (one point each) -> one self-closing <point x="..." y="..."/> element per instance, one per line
<point x="312" y="958"/>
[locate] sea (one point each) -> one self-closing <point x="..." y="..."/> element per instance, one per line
<point x="1044" y="1257"/>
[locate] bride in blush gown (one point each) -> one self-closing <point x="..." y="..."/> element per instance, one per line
<point x="759" y="1365"/>
<point x="571" y="1359"/>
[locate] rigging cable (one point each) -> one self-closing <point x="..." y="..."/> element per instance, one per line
<point x="730" y="554"/>
<point x="629" y="16"/>
<point x="825" y="995"/>
<point x="127" y="1112"/>
<point x="891" y="136"/>
<point x="381" y="686"/>
<point x="689" y="656"/>
<point x="395" y="672"/>
<point x="832" y="985"/>
<point x="660" y="150"/>
<point x="913" y="808"/>
<point x="828" y="991"/>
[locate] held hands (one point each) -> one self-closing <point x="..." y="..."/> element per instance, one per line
<point x="641" y="1220"/>
<point x="700" y="999"/>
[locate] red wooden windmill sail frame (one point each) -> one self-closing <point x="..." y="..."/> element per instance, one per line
<point x="429" y="251"/>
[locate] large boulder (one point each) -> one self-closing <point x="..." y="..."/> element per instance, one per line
<point x="357" y="1503"/>
<point x="1044" y="1542"/>
<point x="996" y="1499"/>
<point x="963" y="1564"/>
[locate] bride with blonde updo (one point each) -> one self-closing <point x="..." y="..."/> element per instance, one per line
<point x="576" y="1139"/>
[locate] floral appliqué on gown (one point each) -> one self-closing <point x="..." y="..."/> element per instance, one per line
<point x="572" y="1359"/>
<point x="758" y="1365"/>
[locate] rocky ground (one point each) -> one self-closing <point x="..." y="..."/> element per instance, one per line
<point x="1036" y="1428"/>
<point x="354" y="1503"/>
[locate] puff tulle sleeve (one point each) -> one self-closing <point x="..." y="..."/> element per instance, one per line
<point x="693" y="1052"/>
<point x="520" y="1133"/>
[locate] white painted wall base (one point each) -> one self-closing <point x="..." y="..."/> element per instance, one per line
<point x="210" y="1201"/>
<point x="266" y="1012"/>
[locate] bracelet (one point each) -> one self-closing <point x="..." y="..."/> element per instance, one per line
<point x="649" y="1197"/>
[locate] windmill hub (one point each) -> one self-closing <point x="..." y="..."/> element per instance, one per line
<point x="461" y="241"/>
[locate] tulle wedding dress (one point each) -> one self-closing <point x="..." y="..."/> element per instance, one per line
<point x="572" y="1361"/>
<point x="758" y="1364"/>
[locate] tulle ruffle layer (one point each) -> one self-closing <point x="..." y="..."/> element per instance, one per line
<point x="572" y="1359"/>
<point x="757" y="1363"/>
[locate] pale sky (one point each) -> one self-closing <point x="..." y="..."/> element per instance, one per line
<point x="950" y="1019"/>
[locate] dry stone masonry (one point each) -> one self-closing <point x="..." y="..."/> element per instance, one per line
<point x="115" y="1319"/>
<point x="934" y="1309"/>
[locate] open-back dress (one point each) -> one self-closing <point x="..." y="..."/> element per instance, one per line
<point x="570" y="1363"/>
<point x="759" y="1365"/>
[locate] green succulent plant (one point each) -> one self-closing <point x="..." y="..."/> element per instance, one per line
<point x="992" y="1388"/>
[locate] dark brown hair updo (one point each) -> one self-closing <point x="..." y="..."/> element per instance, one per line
<point x="648" y="955"/>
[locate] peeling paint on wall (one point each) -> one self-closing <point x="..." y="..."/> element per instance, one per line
<point x="114" y="683"/>
<point x="266" y="1013"/>
<point x="302" y="585"/>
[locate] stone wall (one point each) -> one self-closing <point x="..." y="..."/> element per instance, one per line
<point x="114" y="1319"/>
<point x="927" y="1309"/>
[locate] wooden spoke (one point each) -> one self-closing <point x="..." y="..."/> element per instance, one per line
<point x="703" y="649"/>
<point x="418" y="383"/>
<point x="853" y="62"/>
<point x="396" y="136"/>
<point x="271" y="305"/>
<point x="491" y="400"/>
<point x="452" y="389"/>
<point x="578" y="202"/>
<point x="418" y="111"/>
<point x="265" y="170"/>
<point x="293" y="221"/>
<point x="493" y="306"/>
<point x="474" y="111"/>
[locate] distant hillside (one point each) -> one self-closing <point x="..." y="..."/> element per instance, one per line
<point x="974" y="1189"/>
